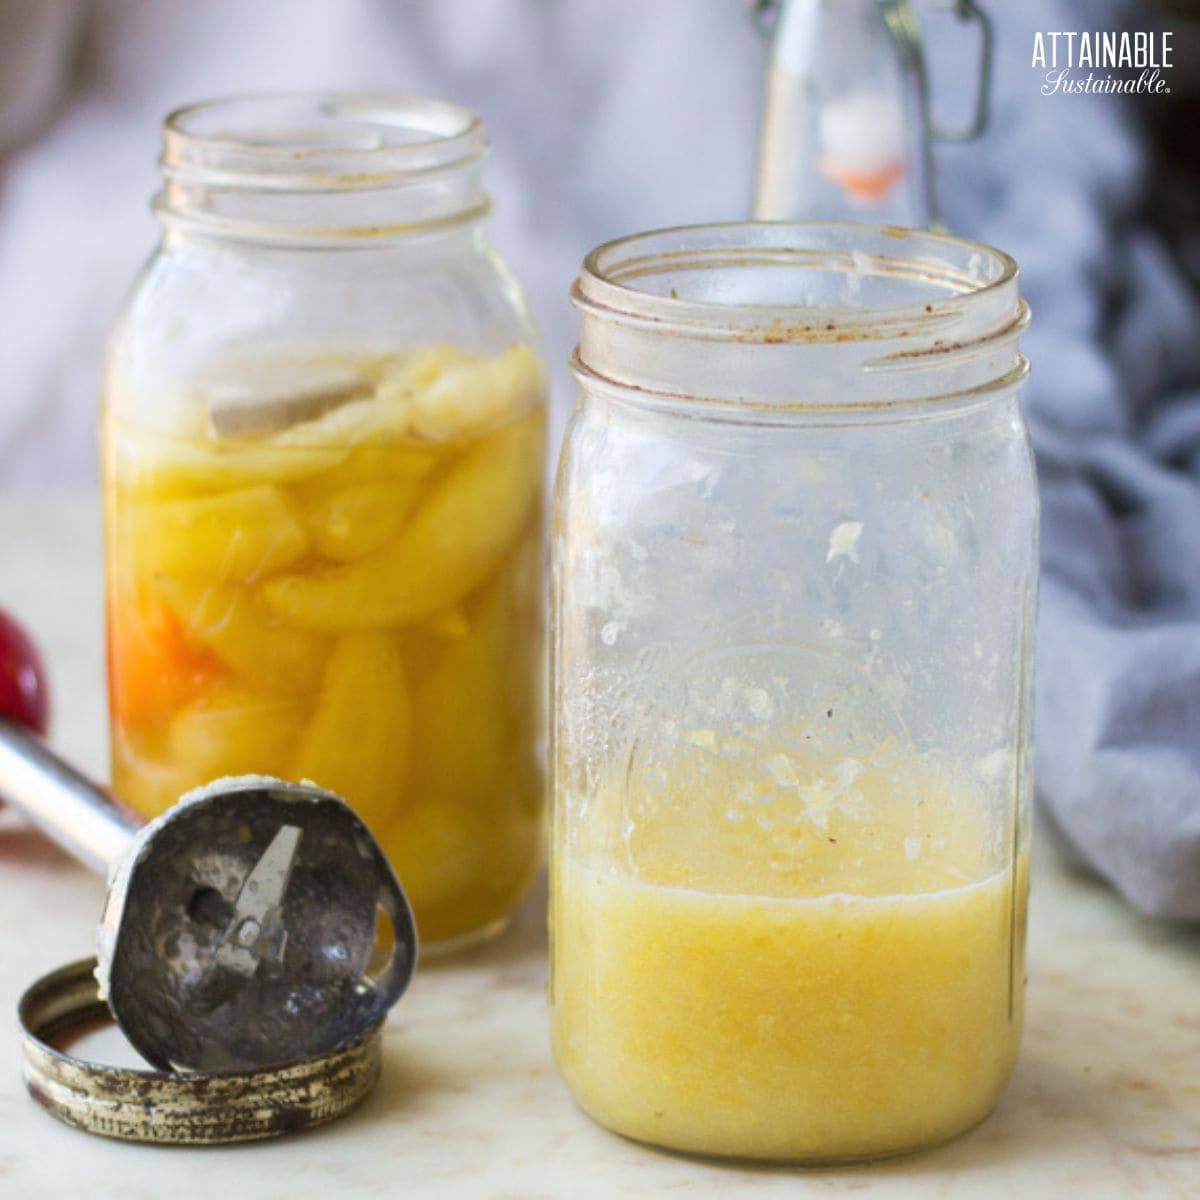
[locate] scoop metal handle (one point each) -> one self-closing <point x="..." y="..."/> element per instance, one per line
<point x="67" y="806"/>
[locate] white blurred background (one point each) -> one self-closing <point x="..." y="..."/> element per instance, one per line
<point x="604" y="118"/>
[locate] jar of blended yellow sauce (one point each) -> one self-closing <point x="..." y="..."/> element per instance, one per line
<point x="794" y="571"/>
<point x="323" y="443"/>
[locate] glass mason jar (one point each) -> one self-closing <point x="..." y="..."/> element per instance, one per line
<point x="794" y="567"/>
<point x="323" y="442"/>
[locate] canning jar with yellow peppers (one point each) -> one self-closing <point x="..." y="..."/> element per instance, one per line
<point x="323" y="440"/>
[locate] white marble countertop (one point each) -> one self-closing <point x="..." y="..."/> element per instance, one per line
<point x="1105" y="1101"/>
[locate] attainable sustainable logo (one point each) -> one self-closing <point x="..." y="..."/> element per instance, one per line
<point x="1128" y="61"/>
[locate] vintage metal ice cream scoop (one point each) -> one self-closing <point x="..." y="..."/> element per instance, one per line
<point x="255" y="923"/>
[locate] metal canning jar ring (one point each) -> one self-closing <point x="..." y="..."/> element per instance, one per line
<point x="176" y="1108"/>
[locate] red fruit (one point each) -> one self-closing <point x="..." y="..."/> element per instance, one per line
<point x="23" y="692"/>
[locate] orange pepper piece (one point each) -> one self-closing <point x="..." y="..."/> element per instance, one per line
<point x="152" y="669"/>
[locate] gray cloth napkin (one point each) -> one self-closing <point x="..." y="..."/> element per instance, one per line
<point x="1061" y="182"/>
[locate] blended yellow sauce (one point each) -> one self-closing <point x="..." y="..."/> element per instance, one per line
<point x="797" y="1026"/>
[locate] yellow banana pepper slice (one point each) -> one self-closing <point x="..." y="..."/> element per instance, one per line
<point x="355" y="520"/>
<point x="450" y="546"/>
<point x="240" y="534"/>
<point x="357" y="742"/>
<point x="246" y="636"/>
<point x="156" y="466"/>
<point x="235" y="731"/>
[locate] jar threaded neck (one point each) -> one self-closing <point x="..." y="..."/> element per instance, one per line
<point x="805" y="316"/>
<point x="322" y="167"/>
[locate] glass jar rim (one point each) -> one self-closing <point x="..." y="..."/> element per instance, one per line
<point x="339" y="170"/>
<point x="331" y="140"/>
<point x="980" y="273"/>
<point x="800" y="316"/>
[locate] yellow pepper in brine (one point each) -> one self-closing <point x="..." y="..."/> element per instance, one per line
<point x="343" y="583"/>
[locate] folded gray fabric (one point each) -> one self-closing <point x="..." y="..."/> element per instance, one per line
<point x="1114" y="410"/>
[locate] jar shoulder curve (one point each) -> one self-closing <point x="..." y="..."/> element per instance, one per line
<point x="197" y="302"/>
<point x="623" y="453"/>
<point x="458" y="288"/>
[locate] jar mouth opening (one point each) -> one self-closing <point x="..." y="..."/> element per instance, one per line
<point x="801" y="316"/>
<point x="331" y="140"/>
<point x="772" y="282"/>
